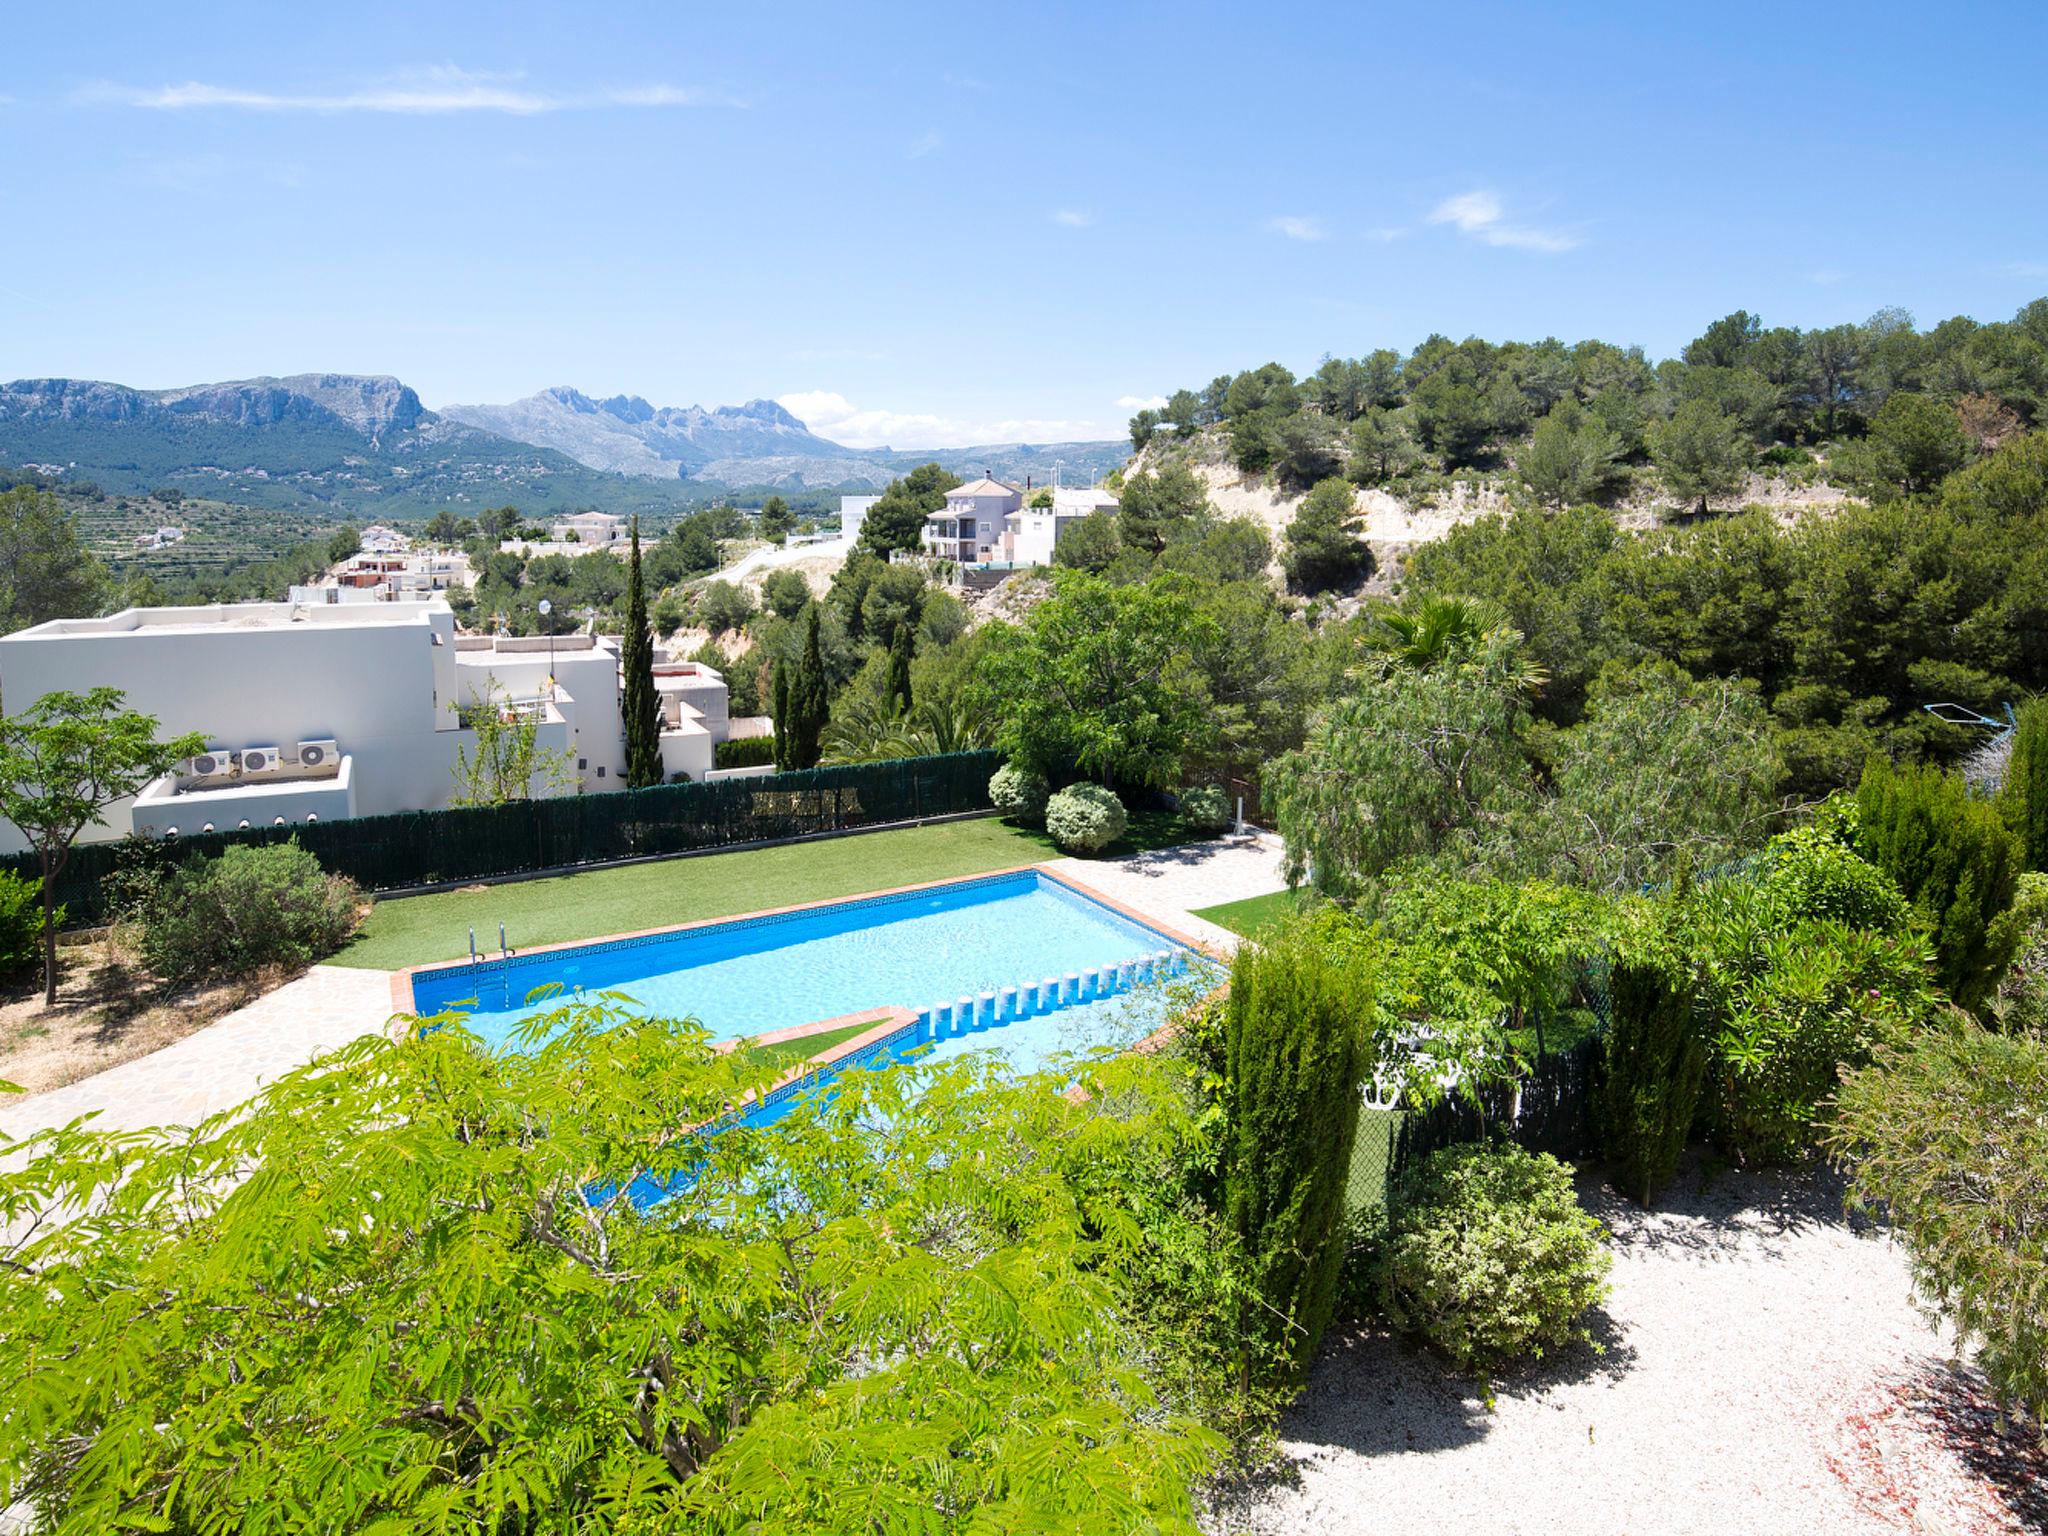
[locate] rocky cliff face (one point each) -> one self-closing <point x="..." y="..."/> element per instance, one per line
<point x="370" y="407"/>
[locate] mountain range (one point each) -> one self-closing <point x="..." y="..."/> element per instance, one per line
<point x="364" y="446"/>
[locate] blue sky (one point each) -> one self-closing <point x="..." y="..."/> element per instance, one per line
<point x="940" y="224"/>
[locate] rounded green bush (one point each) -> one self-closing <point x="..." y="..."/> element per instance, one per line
<point x="1489" y="1257"/>
<point x="1085" y="818"/>
<point x="1019" y="793"/>
<point x="1206" y="808"/>
<point x="218" y="919"/>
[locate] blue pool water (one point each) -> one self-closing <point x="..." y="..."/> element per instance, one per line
<point x="916" y="950"/>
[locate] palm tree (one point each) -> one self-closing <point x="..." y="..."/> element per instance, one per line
<point x="867" y="730"/>
<point x="1436" y="629"/>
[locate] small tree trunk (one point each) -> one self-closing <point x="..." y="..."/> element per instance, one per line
<point x="49" y="942"/>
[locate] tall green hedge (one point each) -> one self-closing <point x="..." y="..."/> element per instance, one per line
<point x="2025" y="796"/>
<point x="1655" y="1066"/>
<point x="1295" y="1059"/>
<point x="1957" y="862"/>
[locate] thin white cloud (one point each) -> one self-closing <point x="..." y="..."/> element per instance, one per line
<point x="1386" y="234"/>
<point x="441" y="90"/>
<point x="1479" y="214"/>
<point x="925" y="143"/>
<point x="1072" y="218"/>
<point x="1298" y="227"/>
<point x="1141" y="402"/>
<point x="832" y="415"/>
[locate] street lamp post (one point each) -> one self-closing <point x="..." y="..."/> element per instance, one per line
<point x="547" y="610"/>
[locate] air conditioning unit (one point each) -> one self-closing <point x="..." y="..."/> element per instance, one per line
<point x="209" y="763"/>
<point x="319" y="754"/>
<point x="261" y="759"/>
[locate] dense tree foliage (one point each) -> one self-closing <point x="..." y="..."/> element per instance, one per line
<point x="46" y="572"/>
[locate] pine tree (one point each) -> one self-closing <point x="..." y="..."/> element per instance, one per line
<point x="899" y="670"/>
<point x="2024" y="798"/>
<point x="640" y="705"/>
<point x="807" y="701"/>
<point x="1295" y="1060"/>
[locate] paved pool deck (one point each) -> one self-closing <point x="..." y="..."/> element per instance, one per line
<point x="225" y="1063"/>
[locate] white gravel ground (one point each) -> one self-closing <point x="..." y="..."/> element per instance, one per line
<point x="1765" y="1372"/>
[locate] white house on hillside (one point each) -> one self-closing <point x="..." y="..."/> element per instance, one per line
<point x="589" y="528"/>
<point x="331" y="710"/>
<point x="1031" y="534"/>
<point x="853" y="511"/>
<point x="969" y="528"/>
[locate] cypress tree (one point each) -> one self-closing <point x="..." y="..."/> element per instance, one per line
<point x="781" y="715"/>
<point x="1295" y="1060"/>
<point x="639" y="703"/>
<point x="2024" y="796"/>
<point x="807" y="699"/>
<point x="899" y="670"/>
<point x="1654" y="1067"/>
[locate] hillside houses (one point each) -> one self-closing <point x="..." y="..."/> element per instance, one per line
<point x="990" y="523"/>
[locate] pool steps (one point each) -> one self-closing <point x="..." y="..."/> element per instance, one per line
<point x="992" y="1010"/>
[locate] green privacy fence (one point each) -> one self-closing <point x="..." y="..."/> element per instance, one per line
<point x="383" y="853"/>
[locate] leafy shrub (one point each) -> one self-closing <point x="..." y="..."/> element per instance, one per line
<point x="2022" y="1000"/>
<point x="1809" y="963"/>
<point x="1206" y="808"/>
<point x="1957" y="862"/>
<point x="745" y="752"/>
<point x="1489" y="1256"/>
<point x="1655" y="1063"/>
<point x="1295" y="1059"/>
<point x="1019" y="793"/>
<point x="217" y="919"/>
<point x="1085" y="818"/>
<point x="1946" y="1138"/>
<point x="21" y="924"/>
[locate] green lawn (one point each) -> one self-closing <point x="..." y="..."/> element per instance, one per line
<point x="787" y="1053"/>
<point x="1252" y="916"/>
<point x="413" y="930"/>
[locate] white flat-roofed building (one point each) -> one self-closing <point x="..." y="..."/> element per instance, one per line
<point x="338" y="709"/>
<point x="1031" y="534"/>
<point x="591" y="529"/>
<point x="853" y="511"/>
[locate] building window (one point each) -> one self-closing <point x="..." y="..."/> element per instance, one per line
<point x="600" y="771"/>
<point x="582" y="763"/>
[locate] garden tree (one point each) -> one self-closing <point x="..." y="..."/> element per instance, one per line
<point x="1381" y="447"/>
<point x="1264" y="674"/>
<point x="1151" y="507"/>
<point x="784" y="593"/>
<point x="1295" y="1059"/>
<point x="942" y="617"/>
<point x="776" y="520"/>
<point x="897" y="520"/>
<point x="1091" y="544"/>
<point x="1662" y="769"/>
<point x="639" y="704"/>
<point x="1701" y="452"/>
<point x="64" y="760"/>
<point x="1957" y="862"/>
<point x="507" y="756"/>
<point x="1571" y="456"/>
<point x="1915" y="443"/>
<point x="1655" y="1059"/>
<point x="895" y="597"/>
<point x="1102" y="678"/>
<point x="1413" y="765"/>
<point x="797" y="731"/>
<point x="723" y="607"/>
<point x="1944" y="1137"/>
<point x="444" y="527"/>
<point x="2023" y="797"/>
<point x="1431" y="630"/>
<point x="46" y="572"/>
<point x="781" y="712"/>
<point x="1323" y="547"/>
<point x="899" y="669"/>
<point x="865" y="729"/>
<point x="422" y="1285"/>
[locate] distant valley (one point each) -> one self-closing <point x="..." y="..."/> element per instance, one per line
<point x="364" y="446"/>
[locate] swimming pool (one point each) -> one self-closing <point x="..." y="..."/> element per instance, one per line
<point x="1018" y="962"/>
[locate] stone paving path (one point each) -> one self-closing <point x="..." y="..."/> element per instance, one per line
<point x="228" y="1061"/>
<point x="220" y="1065"/>
<point x="1170" y="883"/>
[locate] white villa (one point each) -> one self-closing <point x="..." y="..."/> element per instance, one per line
<point x="388" y="578"/>
<point x="379" y="540"/>
<point x="987" y="522"/>
<point x="853" y="511"/>
<point x="591" y="529"/>
<point x="328" y="710"/>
